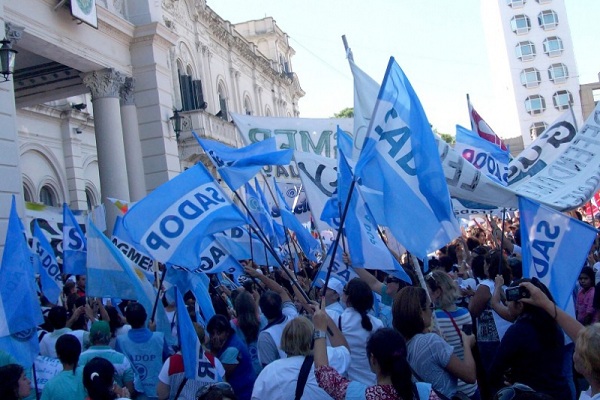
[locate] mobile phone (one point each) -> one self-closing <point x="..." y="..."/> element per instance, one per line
<point x="516" y="293"/>
<point x="467" y="329"/>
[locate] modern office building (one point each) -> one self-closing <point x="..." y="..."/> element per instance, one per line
<point x="533" y="63"/>
<point x="88" y="113"/>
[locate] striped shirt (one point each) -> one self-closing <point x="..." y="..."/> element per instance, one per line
<point x="453" y="337"/>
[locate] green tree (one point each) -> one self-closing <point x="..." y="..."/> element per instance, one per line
<point x="446" y="137"/>
<point x="347" y="112"/>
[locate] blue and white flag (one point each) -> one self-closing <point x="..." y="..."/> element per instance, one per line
<point x="309" y="245"/>
<point x="74" y="244"/>
<point x="171" y="222"/>
<point x="367" y="248"/>
<point x="400" y="160"/>
<point x="242" y="246"/>
<point x="555" y="247"/>
<point x="238" y="166"/>
<point x="137" y="256"/>
<point x="259" y="213"/>
<point x="188" y="339"/>
<point x="197" y="282"/>
<point x="20" y="311"/>
<point x="486" y="156"/>
<point x="339" y="270"/>
<point x="215" y="258"/>
<point x="110" y="274"/>
<point x="50" y="275"/>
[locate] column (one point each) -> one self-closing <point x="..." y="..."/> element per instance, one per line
<point x="131" y="140"/>
<point x="10" y="156"/>
<point x="105" y="86"/>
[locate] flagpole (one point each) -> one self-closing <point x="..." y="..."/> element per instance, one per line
<point x="251" y="246"/>
<point x="348" y="51"/>
<point x="35" y="384"/>
<point x="502" y="243"/>
<point x="268" y="246"/>
<point x="419" y="273"/>
<point x="337" y="237"/>
<point x="162" y="279"/>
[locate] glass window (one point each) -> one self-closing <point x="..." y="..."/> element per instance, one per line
<point x="525" y="51"/>
<point x="553" y="46"/>
<point x="535" y="104"/>
<point x="516" y="3"/>
<point x="558" y="73"/>
<point x="562" y="99"/>
<point x="596" y="95"/>
<point x="247" y="106"/>
<point x="47" y="196"/>
<point x="544" y="1"/>
<point x="520" y="24"/>
<point x="27" y="194"/>
<point x="531" y="77"/>
<point x="536" y="129"/>
<point x="548" y="19"/>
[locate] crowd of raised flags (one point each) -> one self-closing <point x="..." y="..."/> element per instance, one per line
<point x="391" y="173"/>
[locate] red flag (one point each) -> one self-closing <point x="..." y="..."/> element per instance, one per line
<point x="482" y="128"/>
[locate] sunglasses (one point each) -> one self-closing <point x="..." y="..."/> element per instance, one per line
<point x="510" y="392"/>
<point x="223" y="386"/>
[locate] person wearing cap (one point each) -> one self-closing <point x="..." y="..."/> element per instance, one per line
<point x="100" y="338"/>
<point x="333" y="295"/>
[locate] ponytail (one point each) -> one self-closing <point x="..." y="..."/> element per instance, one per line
<point x="365" y="321"/>
<point x="401" y="377"/>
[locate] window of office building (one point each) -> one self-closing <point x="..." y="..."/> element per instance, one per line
<point x="562" y="99"/>
<point x="516" y="3"/>
<point x="553" y="46"/>
<point x="535" y="104"/>
<point x="531" y="77"/>
<point x="47" y="196"/>
<point x="525" y="51"/>
<point x="558" y="73"/>
<point x="536" y="129"/>
<point x="520" y="24"/>
<point x="548" y="19"/>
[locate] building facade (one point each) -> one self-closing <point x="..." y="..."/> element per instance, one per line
<point x="87" y="114"/>
<point x="533" y="63"/>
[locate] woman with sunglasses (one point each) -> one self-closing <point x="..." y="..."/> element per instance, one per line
<point x="451" y="320"/>
<point x="430" y="357"/>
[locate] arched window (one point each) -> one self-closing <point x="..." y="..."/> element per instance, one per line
<point x="27" y="196"/>
<point x="247" y="105"/>
<point x="268" y="112"/>
<point x="222" y="93"/>
<point x="90" y="199"/>
<point x="47" y="196"/>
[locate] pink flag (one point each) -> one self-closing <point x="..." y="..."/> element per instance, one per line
<point x="482" y="128"/>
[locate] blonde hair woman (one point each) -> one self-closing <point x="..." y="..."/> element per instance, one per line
<point x="451" y="319"/>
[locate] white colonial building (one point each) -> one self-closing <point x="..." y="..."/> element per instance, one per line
<point x="88" y="112"/>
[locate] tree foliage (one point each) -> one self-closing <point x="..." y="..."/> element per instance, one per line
<point x="347" y="112"/>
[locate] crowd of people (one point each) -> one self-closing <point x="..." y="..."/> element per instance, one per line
<point x="470" y="327"/>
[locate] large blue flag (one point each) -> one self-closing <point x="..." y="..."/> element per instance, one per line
<point x="554" y="248"/>
<point x="486" y="156"/>
<point x="50" y="275"/>
<point x="74" y="244"/>
<point x="171" y="222"/>
<point x="238" y="166"/>
<point x="197" y="282"/>
<point x="242" y="246"/>
<point x="400" y="160"/>
<point x="137" y="256"/>
<point x="20" y="311"/>
<point x="309" y="245"/>
<point x="110" y="274"/>
<point x="339" y="270"/>
<point x="188" y="340"/>
<point x="214" y="258"/>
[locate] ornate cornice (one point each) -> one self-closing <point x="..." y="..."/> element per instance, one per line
<point x="13" y="32"/>
<point x="104" y="83"/>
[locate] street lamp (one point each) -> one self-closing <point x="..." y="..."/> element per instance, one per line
<point x="7" y="59"/>
<point x="176" y="120"/>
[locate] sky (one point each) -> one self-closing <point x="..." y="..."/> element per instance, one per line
<point x="440" y="45"/>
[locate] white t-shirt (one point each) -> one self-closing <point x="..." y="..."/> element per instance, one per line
<point x="502" y="325"/>
<point x="587" y="395"/>
<point x="357" y="337"/>
<point x="278" y="380"/>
